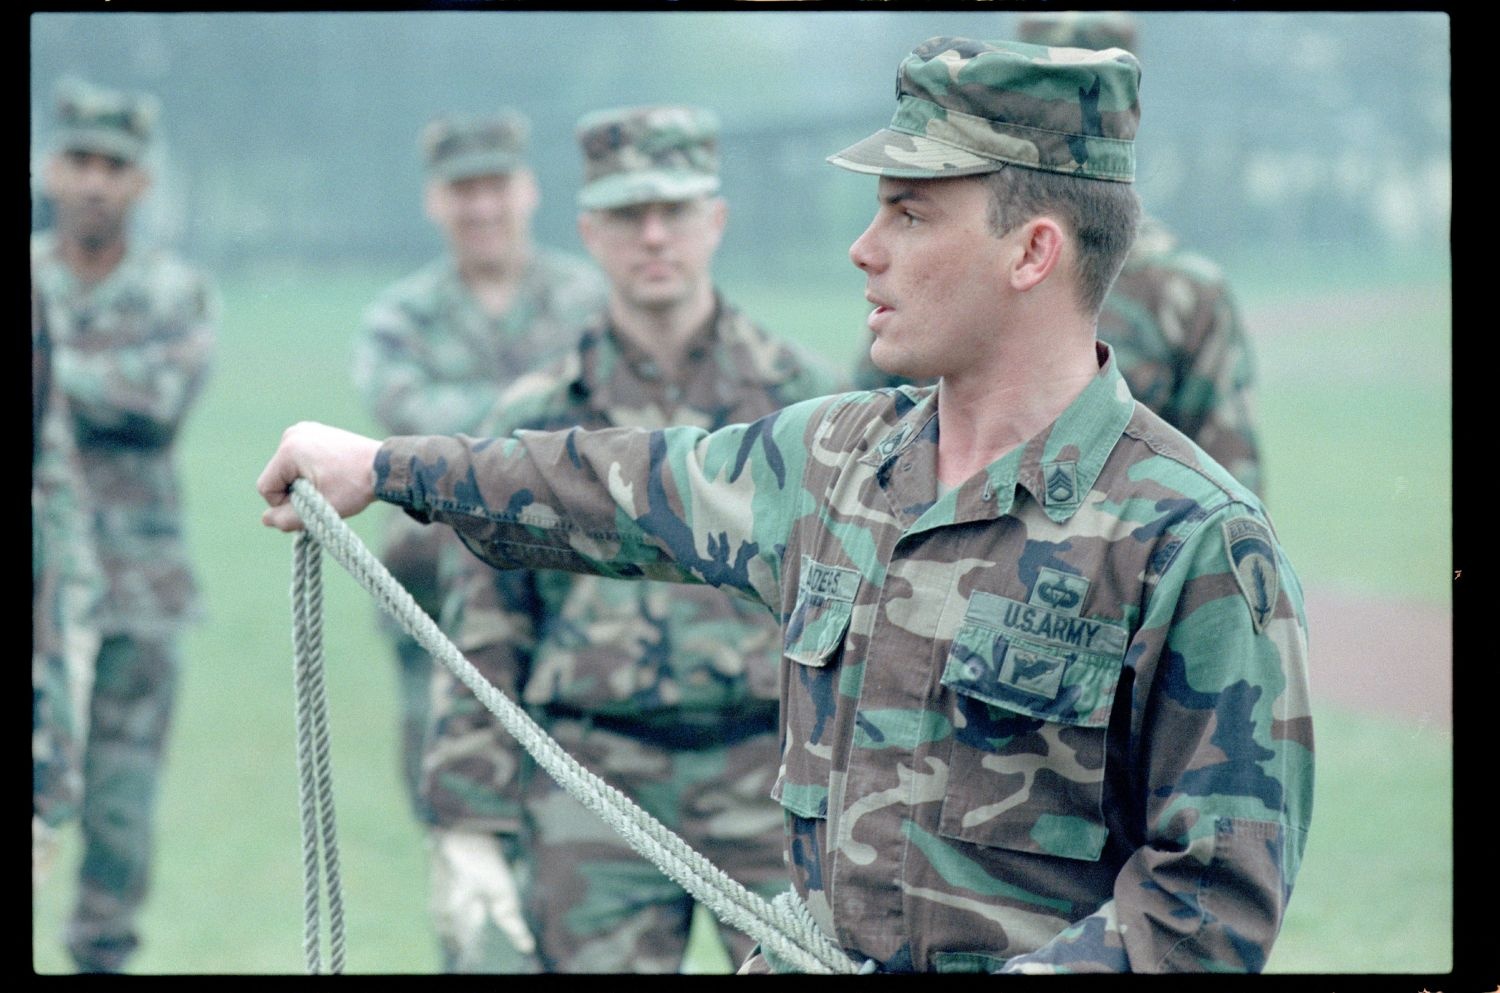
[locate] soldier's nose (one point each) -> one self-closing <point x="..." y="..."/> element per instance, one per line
<point x="863" y="253"/>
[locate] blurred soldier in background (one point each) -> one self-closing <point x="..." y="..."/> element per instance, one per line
<point x="437" y="347"/>
<point x="669" y="693"/>
<point x="65" y="588"/>
<point x="1170" y="318"/>
<point x="132" y="332"/>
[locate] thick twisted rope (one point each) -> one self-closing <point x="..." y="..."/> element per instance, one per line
<point x="315" y="774"/>
<point x="783" y="928"/>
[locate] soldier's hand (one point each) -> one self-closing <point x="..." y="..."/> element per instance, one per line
<point x="341" y="464"/>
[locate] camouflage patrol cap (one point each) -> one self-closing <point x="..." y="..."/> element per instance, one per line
<point x="107" y="122"/>
<point x="647" y="154"/>
<point x="966" y="107"/>
<point x="1079" y="29"/>
<point x="461" y="147"/>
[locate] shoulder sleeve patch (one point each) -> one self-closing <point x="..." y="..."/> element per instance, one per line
<point x="1252" y="556"/>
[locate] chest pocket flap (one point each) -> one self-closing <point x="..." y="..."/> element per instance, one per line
<point x="1040" y="662"/>
<point x="1033" y="688"/>
<point x="825" y="601"/>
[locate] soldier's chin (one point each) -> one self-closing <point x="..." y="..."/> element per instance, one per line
<point x="894" y="361"/>
<point x="98" y="236"/>
<point x="656" y="294"/>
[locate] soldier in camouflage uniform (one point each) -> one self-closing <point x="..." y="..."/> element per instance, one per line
<point x="133" y="331"/>
<point x="436" y="347"/>
<point x="1171" y="318"/>
<point x="65" y="589"/>
<point x="669" y="694"/>
<point x="1044" y="688"/>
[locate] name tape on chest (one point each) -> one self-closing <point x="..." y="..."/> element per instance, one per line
<point x="1046" y="626"/>
<point x="828" y="581"/>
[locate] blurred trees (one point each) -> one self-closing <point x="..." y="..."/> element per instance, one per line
<point x="293" y="135"/>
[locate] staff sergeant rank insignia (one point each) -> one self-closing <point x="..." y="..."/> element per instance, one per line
<point x="1061" y="482"/>
<point x="1254" y="561"/>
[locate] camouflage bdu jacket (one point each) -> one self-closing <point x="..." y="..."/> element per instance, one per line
<point x="1053" y="719"/>
<point x="584" y="644"/>
<point x="1173" y="324"/>
<point x="428" y="359"/>
<point x="131" y="354"/>
<point x="1176" y="334"/>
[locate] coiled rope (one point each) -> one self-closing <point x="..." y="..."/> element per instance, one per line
<point x="783" y="927"/>
<point x="320" y="851"/>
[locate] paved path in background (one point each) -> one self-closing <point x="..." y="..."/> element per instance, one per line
<point x="1388" y="656"/>
<point x="1381" y="655"/>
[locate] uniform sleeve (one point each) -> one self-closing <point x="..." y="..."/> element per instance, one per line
<point x="139" y="390"/>
<point x="470" y="763"/>
<point x="675" y="504"/>
<point x="1222" y="738"/>
<point x="1214" y="403"/>
<point x="396" y="370"/>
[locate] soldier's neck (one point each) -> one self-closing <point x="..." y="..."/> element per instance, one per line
<point x="91" y="262"/>
<point x="663" y="333"/>
<point x="493" y="284"/>
<point x="986" y="412"/>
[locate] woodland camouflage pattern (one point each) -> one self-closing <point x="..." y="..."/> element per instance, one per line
<point x="1170" y="317"/>
<point x="1055" y="719"/>
<point x="637" y="155"/>
<point x="91" y="118"/>
<point x="66" y="586"/>
<point x="1079" y="29"/>
<point x="1178" y="341"/>
<point x="456" y="147"/>
<point x="1181" y="346"/>
<point x="671" y="663"/>
<point x="429" y="359"/>
<point x="131" y="354"/>
<point x="965" y="107"/>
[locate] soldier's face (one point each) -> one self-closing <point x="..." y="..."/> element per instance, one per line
<point x="93" y="195"/>
<point x="656" y="255"/>
<point x="933" y="274"/>
<point x="487" y="219"/>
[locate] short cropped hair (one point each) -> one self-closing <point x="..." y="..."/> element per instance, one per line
<point x="1101" y="215"/>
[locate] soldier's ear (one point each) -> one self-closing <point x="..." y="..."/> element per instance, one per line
<point x="431" y="205"/>
<point x="1038" y="251"/>
<point x="528" y="191"/>
<point x="51" y="175"/>
<point x="588" y="229"/>
<point x="140" y="182"/>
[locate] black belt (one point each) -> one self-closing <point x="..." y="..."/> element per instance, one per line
<point x="675" y="732"/>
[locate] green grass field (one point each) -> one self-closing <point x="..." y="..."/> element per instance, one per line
<point x="1357" y="408"/>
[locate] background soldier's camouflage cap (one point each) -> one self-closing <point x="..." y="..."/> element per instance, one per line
<point x="966" y="107"/>
<point x="1079" y="29"/>
<point x="107" y="122"/>
<point x="460" y="147"/>
<point x="646" y="155"/>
